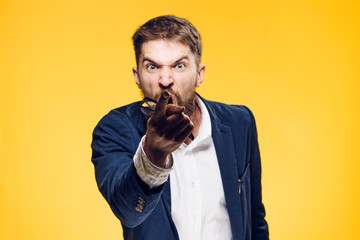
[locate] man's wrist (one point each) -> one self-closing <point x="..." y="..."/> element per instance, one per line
<point x="150" y="173"/>
<point x="157" y="157"/>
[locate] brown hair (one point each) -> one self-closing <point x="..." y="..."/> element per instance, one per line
<point x="168" y="27"/>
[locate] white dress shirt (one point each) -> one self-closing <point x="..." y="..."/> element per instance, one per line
<point x="198" y="205"/>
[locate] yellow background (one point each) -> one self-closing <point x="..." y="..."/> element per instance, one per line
<point x="65" y="64"/>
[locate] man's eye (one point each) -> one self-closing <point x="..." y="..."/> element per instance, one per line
<point x="151" y="67"/>
<point x="180" y="65"/>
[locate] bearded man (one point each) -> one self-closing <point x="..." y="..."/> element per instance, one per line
<point x="176" y="166"/>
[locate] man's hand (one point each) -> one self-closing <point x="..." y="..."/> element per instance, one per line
<point x="167" y="129"/>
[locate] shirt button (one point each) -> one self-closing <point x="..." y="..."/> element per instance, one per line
<point x="193" y="184"/>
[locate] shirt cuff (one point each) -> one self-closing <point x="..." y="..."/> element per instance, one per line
<point x="151" y="174"/>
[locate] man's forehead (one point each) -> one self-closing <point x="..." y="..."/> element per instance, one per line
<point x="168" y="50"/>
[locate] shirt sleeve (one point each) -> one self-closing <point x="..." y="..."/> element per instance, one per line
<point x="151" y="174"/>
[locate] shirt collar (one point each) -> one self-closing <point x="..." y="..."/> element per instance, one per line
<point x="205" y="125"/>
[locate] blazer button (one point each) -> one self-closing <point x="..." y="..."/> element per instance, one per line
<point x="138" y="209"/>
<point x="141" y="200"/>
<point x="140" y="206"/>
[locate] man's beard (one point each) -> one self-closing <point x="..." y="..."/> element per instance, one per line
<point x="189" y="103"/>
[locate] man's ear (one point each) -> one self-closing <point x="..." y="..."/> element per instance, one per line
<point x="136" y="76"/>
<point x="200" y="75"/>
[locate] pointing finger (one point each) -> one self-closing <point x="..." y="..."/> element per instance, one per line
<point x="160" y="108"/>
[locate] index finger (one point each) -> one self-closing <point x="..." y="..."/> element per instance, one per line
<point x="160" y="108"/>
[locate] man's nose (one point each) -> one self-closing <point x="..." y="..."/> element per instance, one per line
<point x="166" y="79"/>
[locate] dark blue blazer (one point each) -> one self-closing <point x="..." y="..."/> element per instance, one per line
<point x="146" y="213"/>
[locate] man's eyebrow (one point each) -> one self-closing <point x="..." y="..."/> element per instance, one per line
<point x="148" y="59"/>
<point x="153" y="61"/>
<point x="182" y="58"/>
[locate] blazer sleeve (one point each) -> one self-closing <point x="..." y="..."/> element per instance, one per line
<point x="114" y="144"/>
<point x="260" y="229"/>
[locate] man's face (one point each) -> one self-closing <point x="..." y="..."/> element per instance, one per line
<point x="169" y="65"/>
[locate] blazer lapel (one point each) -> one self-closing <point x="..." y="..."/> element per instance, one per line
<point x="225" y="153"/>
<point x="138" y="118"/>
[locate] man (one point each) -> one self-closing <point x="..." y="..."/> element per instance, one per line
<point x="190" y="171"/>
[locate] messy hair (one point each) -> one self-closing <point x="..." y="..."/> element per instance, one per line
<point x="168" y="27"/>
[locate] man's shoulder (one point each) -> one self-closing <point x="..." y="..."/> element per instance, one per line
<point x="220" y="106"/>
<point x="229" y="112"/>
<point x="128" y="110"/>
<point x="121" y="115"/>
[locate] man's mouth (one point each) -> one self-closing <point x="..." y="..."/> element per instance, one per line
<point x="172" y="99"/>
